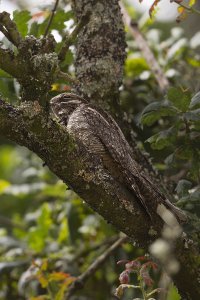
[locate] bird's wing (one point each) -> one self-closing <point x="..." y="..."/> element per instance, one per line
<point x="106" y="129"/>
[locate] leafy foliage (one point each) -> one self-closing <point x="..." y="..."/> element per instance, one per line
<point x="182" y="138"/>
<point x="21" y="19"/>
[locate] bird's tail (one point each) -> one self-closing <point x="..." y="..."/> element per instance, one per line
<point x="145" y="190"/>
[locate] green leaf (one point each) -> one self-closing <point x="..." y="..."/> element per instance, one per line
<point x="194" y="62"/>
<point x="63" y="231"/>
<point x="9" y="161"/>
<point x="134" y="66"/>
<point x="162" y="139"/>
<point x="180" y="99"/>
<point x="195" y="101"/>
<point x="44" y="221"/>
<point x="184" y="152"/>
<point x="191" y="200"/>
<point x="192" y="2"/>
<point x="34" y="29"/>
<point x="57" y="190"/>
<point x="21" y="19"/>
<point x="36" y="239"/>
<point x="3" y="185"/>
<point x="193" y="115"/>
<point x="58" y="22"/>
<point x="38" y="235"/>
<point x="74" y="220"/>
<point x="182" y="187"/>
<point x="69" y="57"/>
<point x="173" y="294"/>
<point x="169" y="160"/>
<point x="195" y="196"/>
<point x="154" y="111"/>
<point x="3" y="74"/>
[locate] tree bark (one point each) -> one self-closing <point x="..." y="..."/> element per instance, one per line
<point x="100" y="51"/>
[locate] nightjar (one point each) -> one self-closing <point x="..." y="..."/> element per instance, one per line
<point x="100" y="135"/>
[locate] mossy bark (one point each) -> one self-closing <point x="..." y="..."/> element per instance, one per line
<point x="100" y="51"/>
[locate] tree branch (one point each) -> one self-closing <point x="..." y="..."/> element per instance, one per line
<point x="146" y="51"/>
<point x="84" y="251"/>
<point x="69" y="40"/>
<point x="9" y="29"/>
<point x="30" y="126"/>
<point x="100" y="51"/>
<point x="51" y="17"/>
<point x="35" y="66"/>
<point x="81" y="280"/>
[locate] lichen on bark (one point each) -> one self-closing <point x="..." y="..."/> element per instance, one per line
<point x="100" y="51"/>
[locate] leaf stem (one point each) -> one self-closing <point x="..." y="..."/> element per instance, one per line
<point x="142" y="288"/>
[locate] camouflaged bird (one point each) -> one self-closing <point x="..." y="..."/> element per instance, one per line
<point x="101" y="136"/>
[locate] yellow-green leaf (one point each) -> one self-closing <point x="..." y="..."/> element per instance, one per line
<point x="43" y="281"/>
<point x="192" y="2"/>
<point x="3" y="185"/>
<point x="58" y="276"/>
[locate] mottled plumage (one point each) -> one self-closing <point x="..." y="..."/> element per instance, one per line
<point x="101" y="136"/>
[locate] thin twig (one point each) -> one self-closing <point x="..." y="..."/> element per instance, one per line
<point x="146" y="51"/>
<point x="189" y="8"/>
<point x="84" y="252"/>
<point x="80" y="281"/>
<point x="69" y="40"/>
<point x="67" y="77"/>
<point x="51" y="18"/>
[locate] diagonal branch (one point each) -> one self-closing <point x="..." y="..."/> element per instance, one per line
<point x="69" y="40"/>
<point x="146" y="51"/>
<point x="51" y="17"/>
<point x="9" y="29"/>
<point x="81" y="280"/>
<point x="30" y="126"/>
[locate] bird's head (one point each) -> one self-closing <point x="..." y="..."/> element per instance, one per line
<point x="64" y="104"/>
